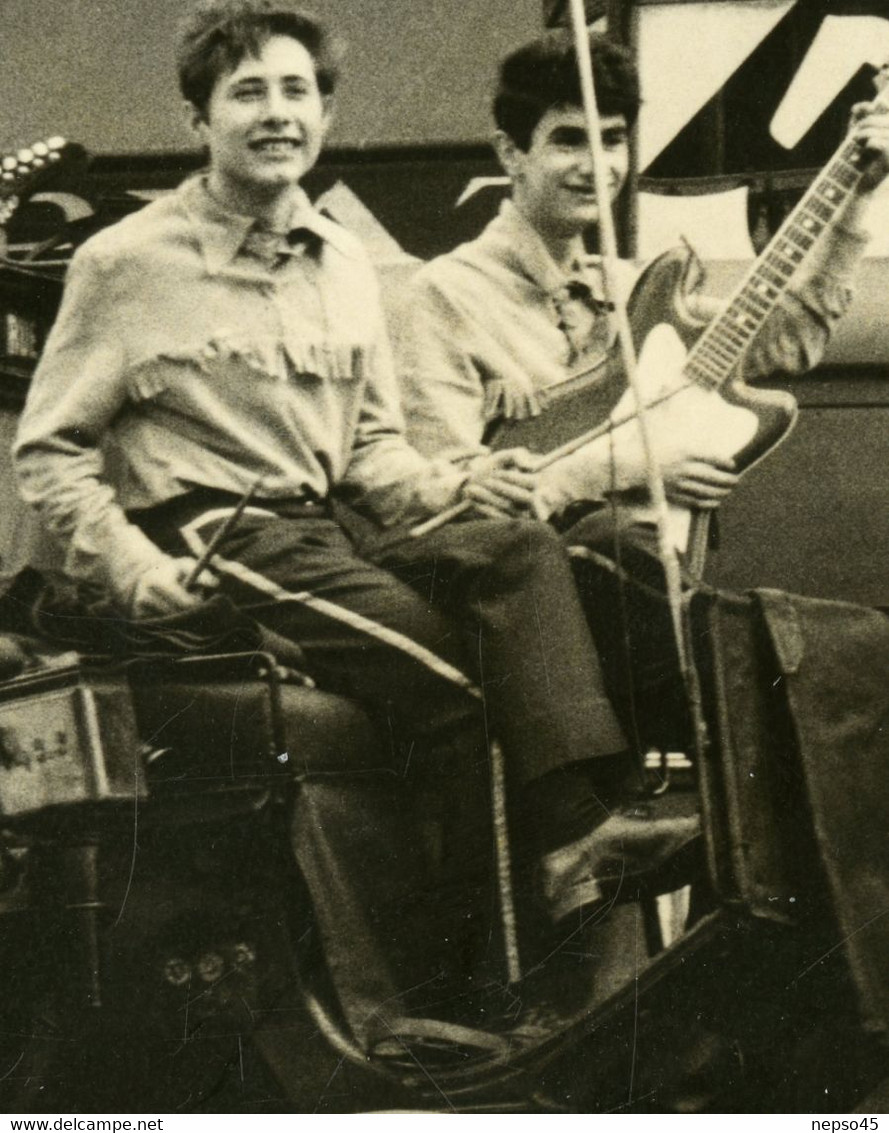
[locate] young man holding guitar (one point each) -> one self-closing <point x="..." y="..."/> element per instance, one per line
<point x="510" y="339"/>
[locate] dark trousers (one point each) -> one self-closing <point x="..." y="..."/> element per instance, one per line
<point x="622" y="588"/>
<point x="473" y="631"/>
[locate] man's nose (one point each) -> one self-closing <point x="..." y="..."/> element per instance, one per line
<point x="584" y="159"/>
<point x="277" y="108"/>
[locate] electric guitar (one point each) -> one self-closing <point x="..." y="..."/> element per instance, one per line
<point x="688" y="375"/>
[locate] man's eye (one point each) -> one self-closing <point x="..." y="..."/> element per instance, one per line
<point x="569" y="139"/>
<point x="614" y="140"/>
<point x="244" y="94"/>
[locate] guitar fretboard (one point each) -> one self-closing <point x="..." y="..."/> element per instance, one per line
<point x="715" y="355"/>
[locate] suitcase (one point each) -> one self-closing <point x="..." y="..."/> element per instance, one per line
<point x="795" y="771"/>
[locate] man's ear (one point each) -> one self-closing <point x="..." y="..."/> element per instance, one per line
<point x="195" y="122"/>
<point x="328" y="101"/>
<point x="508" y="154"/>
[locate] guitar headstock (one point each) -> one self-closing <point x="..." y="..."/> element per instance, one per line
<point x="29" y="170"/>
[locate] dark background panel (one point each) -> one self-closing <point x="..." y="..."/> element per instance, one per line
<point x="814" y="516"/>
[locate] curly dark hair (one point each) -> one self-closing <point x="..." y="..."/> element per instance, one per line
<point x="543" y="74"/>
<point x="218" y="34"/>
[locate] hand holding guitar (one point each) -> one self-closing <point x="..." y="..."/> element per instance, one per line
<point x="695" y="475"/>
<point x="697" y="482"/>
<point x="502" y="484"/>
<point x="870" y="127"/>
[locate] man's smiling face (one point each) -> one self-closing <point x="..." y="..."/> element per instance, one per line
<point x="265" y="122"/>
<point x="553" y="182"/>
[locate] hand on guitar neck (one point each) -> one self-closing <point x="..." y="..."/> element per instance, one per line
<point x="869" y="125"/>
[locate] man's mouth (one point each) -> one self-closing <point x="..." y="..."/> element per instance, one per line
<point x="588" y="192"/>
<point x="280" y="146"/>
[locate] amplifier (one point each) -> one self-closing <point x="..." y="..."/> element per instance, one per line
<point x="67" y="736"/>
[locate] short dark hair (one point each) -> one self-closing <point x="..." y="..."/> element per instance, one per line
<point x="218" y="34"/>
<point x="543" y="74"/>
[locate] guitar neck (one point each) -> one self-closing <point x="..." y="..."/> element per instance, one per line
<point x="717" y="352"/>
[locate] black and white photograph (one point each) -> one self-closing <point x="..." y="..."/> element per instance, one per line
<point x="444" y="526"/>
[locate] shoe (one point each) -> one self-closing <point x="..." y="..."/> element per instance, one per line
<point x="416" y="1039"/>
<point x="629" y="845"/>
<point x="451" y="1052"/>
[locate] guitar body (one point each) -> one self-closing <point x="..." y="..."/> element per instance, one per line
<point x="734" y="422"/>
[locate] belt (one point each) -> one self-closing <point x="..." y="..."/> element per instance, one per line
<point x="158" y="521"/>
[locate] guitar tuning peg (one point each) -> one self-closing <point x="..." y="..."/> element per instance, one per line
<point x="56" y="142"/>
<point x="25" y="156"/>
<point x="8" y="163"/>
<point x="41" y="149"/>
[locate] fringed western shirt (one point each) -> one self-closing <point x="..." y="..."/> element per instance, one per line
<point x="193" y="350"/>
<point x="486" y="329"/>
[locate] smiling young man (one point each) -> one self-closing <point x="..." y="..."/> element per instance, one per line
<point x="228" y="338"/>
<point x="491" y="327"/>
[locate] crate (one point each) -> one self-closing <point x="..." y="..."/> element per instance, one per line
<point x="68" y="736"/>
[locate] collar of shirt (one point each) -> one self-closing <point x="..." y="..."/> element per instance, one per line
<point x="521" y="246"/>
<point x="223" y="234"/>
